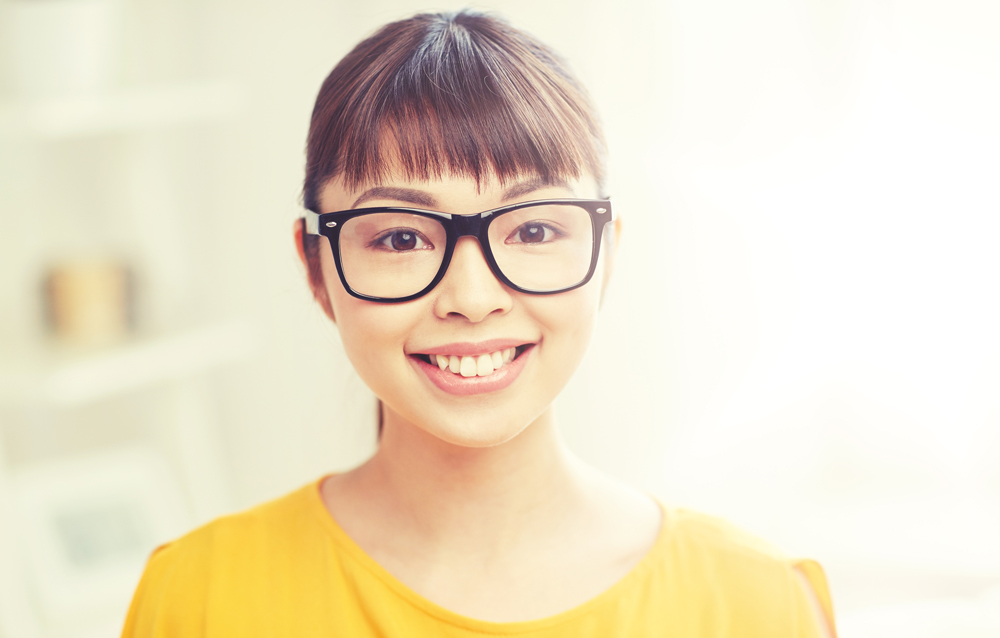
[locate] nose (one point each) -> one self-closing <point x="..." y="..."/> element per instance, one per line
<point x="469" y="288"/>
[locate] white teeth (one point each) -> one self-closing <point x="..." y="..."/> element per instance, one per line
<point x="480" y="365"/>
<point x="484" y="365"/>
<point x="469" y="367"/>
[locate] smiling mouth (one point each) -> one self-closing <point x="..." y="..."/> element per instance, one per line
<point x="477" y="366"/>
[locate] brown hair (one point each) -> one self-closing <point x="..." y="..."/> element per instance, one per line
<point x="456" y="92"/>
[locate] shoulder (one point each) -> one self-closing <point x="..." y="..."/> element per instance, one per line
<point x="732" y="574"/>
<point x="715" y="548"/>
<point x="268" y="524"/>
<point x="236" y="553"/>
<point x="713" y="536"/>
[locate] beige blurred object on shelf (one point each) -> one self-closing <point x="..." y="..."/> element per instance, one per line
<point x="89" y="302"/>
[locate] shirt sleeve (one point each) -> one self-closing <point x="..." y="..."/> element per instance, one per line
<point x="170" y="598"/>
<point x="815" y="578"/>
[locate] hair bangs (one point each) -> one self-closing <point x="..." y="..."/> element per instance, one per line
<point x="461" y="94"/>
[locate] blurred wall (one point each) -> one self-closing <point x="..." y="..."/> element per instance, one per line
<point x="800" y="335"/>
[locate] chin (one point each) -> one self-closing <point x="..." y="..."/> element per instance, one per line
<point x="476" y="433"/>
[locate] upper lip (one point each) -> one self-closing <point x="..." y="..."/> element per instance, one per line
<point x="471" y="349"/>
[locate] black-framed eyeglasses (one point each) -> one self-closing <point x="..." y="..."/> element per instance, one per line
<point x="393" y="254"/>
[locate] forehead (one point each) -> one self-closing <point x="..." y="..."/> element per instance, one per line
<point x="451" y="190"/>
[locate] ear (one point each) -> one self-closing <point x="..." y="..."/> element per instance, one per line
<point x="314" y="271"/>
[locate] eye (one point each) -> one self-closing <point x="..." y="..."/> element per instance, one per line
<point x="532" y="233"/>
<point x="402" y="240"/>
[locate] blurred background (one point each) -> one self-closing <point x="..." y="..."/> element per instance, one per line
<point x="801" y="336"/>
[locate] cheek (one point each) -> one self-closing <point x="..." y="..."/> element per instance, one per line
<point x="370" y="332"/>
<point x="568" y="320"/>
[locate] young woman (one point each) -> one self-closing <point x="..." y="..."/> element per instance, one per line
<point x="459" y="237"/>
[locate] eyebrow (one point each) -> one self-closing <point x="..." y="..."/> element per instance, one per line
<point x="421" y="198"/>
<point x="523" y="188"/>
<point x="409" y="195"/>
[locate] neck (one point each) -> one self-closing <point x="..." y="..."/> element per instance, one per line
<point x="452" y="494"/>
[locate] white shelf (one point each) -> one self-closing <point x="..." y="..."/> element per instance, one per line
<point x="82" y="380"/>
<point x="122" y="110"/>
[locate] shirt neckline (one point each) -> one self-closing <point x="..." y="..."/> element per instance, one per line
<point x="340" y="537"/>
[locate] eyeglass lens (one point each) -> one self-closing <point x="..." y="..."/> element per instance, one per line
<point x="539" y="248"/>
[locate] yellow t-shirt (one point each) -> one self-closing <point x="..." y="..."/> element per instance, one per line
<point x="285" y="568"/>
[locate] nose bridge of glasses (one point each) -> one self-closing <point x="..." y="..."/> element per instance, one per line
<point x="468" y="225"/>
<point x="472" y="226"/>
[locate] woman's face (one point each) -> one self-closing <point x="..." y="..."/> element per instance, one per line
<point x="395" y="347"/>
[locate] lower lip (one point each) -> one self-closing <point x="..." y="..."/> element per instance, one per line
<point x="467" y="386"/>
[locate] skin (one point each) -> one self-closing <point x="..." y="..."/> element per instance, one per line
<point x="474" y="502"/>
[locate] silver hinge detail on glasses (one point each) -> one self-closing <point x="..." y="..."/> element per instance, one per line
<point x="312" y="222"/>
<point x="602" y="210"/>
<point x="331" y="224"/>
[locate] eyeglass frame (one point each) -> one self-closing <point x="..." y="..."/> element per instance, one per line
<point x="457" y="226"/>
